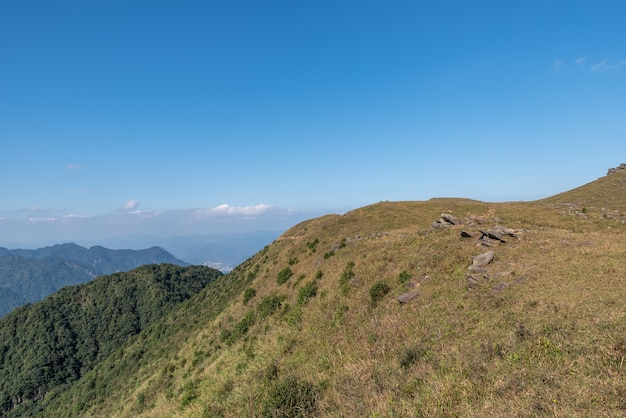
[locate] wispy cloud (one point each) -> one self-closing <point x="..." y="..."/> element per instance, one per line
<point x="601" y="66"/>
<point x="74" y="166"/>
<point x="228" y="210"/>
<point x="605" y="65"/>
<point x="38" y="225"/>
<point x="558" y="64"/>
<point x="242" y="210"/>
<point x="131" y="205"/>
<point x="41" y="219"/>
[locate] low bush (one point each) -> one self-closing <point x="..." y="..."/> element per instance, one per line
<point x="291" y="398"/>
<point x="248" y="294"/>
<point x="346" y="275"/>
<point x="269" y="305"/>
<point x="284" y="275"/>
<point x="378" y="291"/>
<point x="404" y="277"/>
<point x="306" y="292"/>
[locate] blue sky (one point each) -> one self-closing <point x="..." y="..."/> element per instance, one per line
<point x="275" y="111"/>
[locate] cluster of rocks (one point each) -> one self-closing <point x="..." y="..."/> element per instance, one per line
<point x="474" y="228"/>
<point x="486" y="237"/>
<point x="445" y="221"/>
<point x="478" y="272"/>
<point x="616" y="169"/>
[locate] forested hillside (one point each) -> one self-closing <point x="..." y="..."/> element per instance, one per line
<point x="48" y="345"/>
<point x="30" y="275"/>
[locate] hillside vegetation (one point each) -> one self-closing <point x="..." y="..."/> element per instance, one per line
<point x="46" y="346"/>
<point x="508" y="309"/>
<point x="28" y="276"/>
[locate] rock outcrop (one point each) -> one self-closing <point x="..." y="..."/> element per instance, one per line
<point x="446" y="220"/>
<point x="621" y="167"/>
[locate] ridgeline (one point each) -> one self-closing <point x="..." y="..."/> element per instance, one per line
<point x="447" y="307"/>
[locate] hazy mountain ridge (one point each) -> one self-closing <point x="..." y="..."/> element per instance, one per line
<point x="226" y="249"/>
<point x="30" y="275"/>
<point x="314" y="324"/>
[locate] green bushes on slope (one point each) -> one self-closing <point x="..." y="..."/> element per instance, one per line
<point x="60" y="339"/>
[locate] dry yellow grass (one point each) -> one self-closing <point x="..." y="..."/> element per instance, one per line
<point x="551" y="342"/>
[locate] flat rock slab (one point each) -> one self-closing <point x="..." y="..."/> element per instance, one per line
<point x="472" y="281"/>
<point x="500" y="287"/>
<point x="407" y="297"/>
<point x="453" y="220"/>
<point x="482" y="260"/>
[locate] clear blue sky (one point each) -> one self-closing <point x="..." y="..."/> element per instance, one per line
<point x="315" y="106"/>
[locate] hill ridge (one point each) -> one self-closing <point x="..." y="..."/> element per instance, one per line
<point x="515" y="309"/>
<point x="30" y="275"/>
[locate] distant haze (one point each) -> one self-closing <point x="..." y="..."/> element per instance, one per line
<point x="226" y="234"/>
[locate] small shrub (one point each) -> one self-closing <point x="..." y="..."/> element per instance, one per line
<point x="284" y="275"/>
<point x="378" y="291"/>
<point x="411" y="355"/>
<point x="342" y="244"/>
<point x="312" y="245"/>
<point x="240" y="329"/>
<point x="293" y="261"/>
<point x="318" y="274"/>
<point x="346" y="275"/>
<point x="248" y="294"/>
<point x="328" y="255"/>
<point x="291" y="398"/>
<point x="269" y="305"/>
<point x="404" y="277"/>
<point x="307" y="291"/>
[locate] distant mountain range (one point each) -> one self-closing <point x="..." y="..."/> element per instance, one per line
<point x="221" y="251"/>
<point x="28" y="276"/>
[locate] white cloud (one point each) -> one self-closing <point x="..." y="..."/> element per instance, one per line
<point x="131" y="205"/>
<point x="228" y="210"/>
<point x="74" y="216"/>
<point x="580" y="60"/>
<point x="42" y="219"/>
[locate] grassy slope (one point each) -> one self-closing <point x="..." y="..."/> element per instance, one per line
<point x="552" y="343"/>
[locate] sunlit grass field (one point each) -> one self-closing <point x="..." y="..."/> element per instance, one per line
<point x="320" y="331"/>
